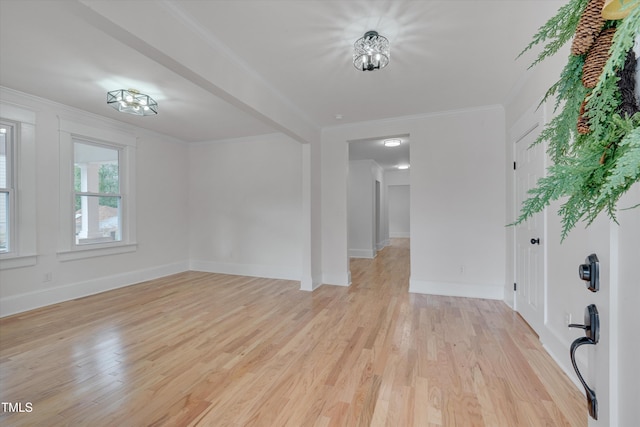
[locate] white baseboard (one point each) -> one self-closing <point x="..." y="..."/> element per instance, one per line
<point x="36" y="299"/>
<point x="310" y="284"/>
<point x="558" y="349"/>
<point x="337" y="279"/>
<point x="399" y="234"/>
<point x="381" y="245"/>
<point x="362" y="253"/>
<point x="251" y="270"/>
<point x="457" y="289"/>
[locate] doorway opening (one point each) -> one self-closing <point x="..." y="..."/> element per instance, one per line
<point x="378" y="196"/>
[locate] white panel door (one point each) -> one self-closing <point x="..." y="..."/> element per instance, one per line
<point x="529" y="236"/>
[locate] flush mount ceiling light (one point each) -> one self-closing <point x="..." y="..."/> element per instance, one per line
<point x="394" y="142"/>
<point x="402" y="167"/>
<point x="133" y="102"/>
<point x="371" y="52"/>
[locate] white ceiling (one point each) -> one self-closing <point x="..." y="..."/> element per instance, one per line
<point x="389" y="158"/>
<point x="445" y="55"/>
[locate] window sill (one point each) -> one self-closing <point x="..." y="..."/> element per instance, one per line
<point x="8" y="261"/>
<point x="92" y="252"/>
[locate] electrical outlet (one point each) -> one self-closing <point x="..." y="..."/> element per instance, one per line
<point x="462" y="269"/>
<point x="567" y="318"/>
<point x="47" y="277"/>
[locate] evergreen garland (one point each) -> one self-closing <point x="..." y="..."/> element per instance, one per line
<point x="593" y="170"/>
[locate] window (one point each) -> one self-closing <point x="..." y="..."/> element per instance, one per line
<point x="7" y="179"/>
<point x="97" y="196"/>
<point x="98" y="201"/>
<point x="17" y="186"/>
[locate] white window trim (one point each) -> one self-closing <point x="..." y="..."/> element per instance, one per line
<point x="10" y="189"/>
<point x="23" y="249"/>
<point x="69" y="130"/>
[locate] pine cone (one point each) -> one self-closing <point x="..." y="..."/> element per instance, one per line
<point x="589" y="26"/>
<point x="583" y="122"/>
<point x="596" y="58"/>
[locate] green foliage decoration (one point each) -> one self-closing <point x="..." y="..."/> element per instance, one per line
<point x="590" y="172"/>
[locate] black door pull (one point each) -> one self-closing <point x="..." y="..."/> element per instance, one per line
<point x="535" y="241"/>
<point x="592" y="331"/>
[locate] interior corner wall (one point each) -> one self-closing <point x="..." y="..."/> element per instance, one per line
<point x="361" y="209"/>
<point x="247" y="206"/>
<point x="363" y="175"/>
<point x="457" y="206"/>
<point x="311" y="217"/>
<point x="162" y="207"/>
<point x="399" y="205"/>
<point x="398" y="184"/>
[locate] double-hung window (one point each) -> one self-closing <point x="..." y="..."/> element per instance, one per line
<point x="7" y="187"/>
<point x="17" y="186"/>
<point x="98" y="200"/>
<point x="97" y="196"/>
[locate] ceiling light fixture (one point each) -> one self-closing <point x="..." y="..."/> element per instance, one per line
<point x="394" y="142"/>
<point x="402" y="167"/>
<point x="133" y="102"/>
<point x="371" y="52"/>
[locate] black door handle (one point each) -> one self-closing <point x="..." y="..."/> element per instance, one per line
<point x="592" y="331"/>
<point x="535" y="241"/>
<point x="592" y="401"/>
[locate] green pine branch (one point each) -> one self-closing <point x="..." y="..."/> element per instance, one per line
<point x="557" y="31"/>
<point x="589" y="172"/>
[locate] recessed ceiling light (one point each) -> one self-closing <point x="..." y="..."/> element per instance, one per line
<point x="392" y="142"/>
<point x="339" y="116"/>
<point x="401" y="167"/>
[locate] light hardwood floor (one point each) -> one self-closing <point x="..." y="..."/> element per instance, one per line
<point x="217" y="350"/>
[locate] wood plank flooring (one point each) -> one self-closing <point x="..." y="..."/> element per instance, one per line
<point x="201" y="349"/>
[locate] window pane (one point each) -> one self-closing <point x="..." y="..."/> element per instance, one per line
<point x="97" y="219"/>
<point x="96" y="169"/>
<point x="4" y="160"/>
<point x="4" y="222"/>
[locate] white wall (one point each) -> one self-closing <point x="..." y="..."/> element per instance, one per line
<point x="626" y="306"/>
<point x="397" y="177"/>
<point x="363" y="175"/>
<point x="457" y="209"/>
<point x="360" y="208"/>
<point x="246" y="207"/>
<point x="399" y="194"/>
<point x="457" y="200"/>
<point x="399" y="205"/>
<point x="161" y="217"/>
